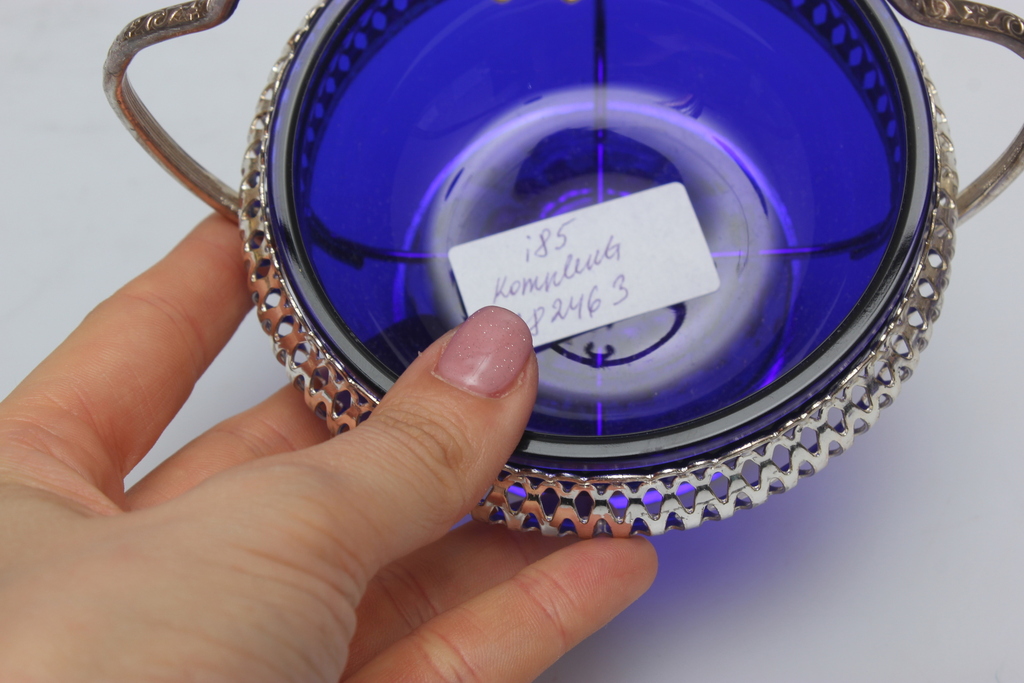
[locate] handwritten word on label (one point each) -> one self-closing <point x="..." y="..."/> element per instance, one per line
<point x="582" y="270"/>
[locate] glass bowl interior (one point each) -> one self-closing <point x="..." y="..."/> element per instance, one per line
<point x="407" y="128"/>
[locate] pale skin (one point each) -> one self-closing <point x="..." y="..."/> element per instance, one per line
<point x="261" y="551"/>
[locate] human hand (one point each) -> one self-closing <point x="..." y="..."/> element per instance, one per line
<point x="262" y="550"/>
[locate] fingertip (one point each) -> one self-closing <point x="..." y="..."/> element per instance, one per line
<point x="643" y="558"/>
<point x="631" y="563"/>
<point x="478" y="382"/>
<point x="487" y="354"/>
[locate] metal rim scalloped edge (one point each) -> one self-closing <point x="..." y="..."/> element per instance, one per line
<point x="624" y="505"/>
<point x="330" y="390"/>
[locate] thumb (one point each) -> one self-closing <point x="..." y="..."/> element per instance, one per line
<point x="434" y="443"/>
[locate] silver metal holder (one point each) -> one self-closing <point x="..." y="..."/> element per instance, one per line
<point x="330" y="390"/>
<point x="746" y="475"/>
<point x="618" y="505"/>
<point x="968" y="18"/>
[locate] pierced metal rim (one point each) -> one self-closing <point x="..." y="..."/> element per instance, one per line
<point x="624" y="505"/>
<point x="330" y="390"/>
<point x="746" y="475"/>
<point x="649" y="450"/>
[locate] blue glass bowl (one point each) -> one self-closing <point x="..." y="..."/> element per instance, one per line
<point x="799" y="128"/>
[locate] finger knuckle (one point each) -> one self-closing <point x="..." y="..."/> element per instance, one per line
<point x="437" y="444"/>
<point x="163" y="314"/>
<point x="444" y="659"/>
<point x="547" y="596"/>
<point x="409" y="597"/>
<point x="302" y="505"/>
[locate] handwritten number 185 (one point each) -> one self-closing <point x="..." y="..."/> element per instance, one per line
<point x="548" y="242"/>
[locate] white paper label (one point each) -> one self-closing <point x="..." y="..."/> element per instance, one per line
<point x="593" y="267"/>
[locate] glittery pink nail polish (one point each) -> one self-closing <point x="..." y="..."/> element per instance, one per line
<point x="487" y="353"/>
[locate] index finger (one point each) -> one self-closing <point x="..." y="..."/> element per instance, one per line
<point x="101" y="399"/>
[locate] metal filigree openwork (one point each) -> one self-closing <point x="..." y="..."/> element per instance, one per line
<point x="625" y="505"/>
<point x="745" y="476"/>
<point x="622" y="505"/>
<point x="329" y="389"/>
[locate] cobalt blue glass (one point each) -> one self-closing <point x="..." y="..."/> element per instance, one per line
<point x="799" y="129"/>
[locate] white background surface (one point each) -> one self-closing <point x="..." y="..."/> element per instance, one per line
<point x="900" y="562"/>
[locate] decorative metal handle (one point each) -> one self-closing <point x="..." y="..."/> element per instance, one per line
<point x="999" y="26"/>
<point x="145" y="31"/>
<point x="969" y="18"/>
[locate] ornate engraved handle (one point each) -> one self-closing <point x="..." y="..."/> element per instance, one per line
<point x="145" y="31"/>
<point x="998" y="26"/>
